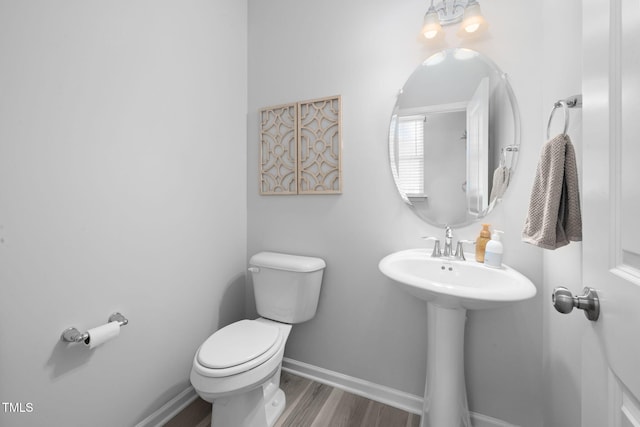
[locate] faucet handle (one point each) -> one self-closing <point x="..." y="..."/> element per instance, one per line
<point x="460" y="249"/>
<point x="437" y="253"/>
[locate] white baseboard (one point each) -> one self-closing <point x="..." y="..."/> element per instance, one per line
<point x="170" y="409"/>
<point x="387" y="395"/>
<point x="479" y="420"/>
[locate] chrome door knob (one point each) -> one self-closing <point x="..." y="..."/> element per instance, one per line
<point x="564" y="301"/>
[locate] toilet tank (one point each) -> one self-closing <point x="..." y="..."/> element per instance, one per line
<point x="286" y="287"/>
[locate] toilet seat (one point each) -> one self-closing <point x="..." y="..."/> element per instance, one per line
<point x="238" y="347"/>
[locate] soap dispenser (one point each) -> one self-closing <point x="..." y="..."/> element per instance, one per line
<point x="494" y="250"/>
<point x="481" y="242"/>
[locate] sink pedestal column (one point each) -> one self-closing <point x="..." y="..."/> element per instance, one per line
<point x="445" y="397"/>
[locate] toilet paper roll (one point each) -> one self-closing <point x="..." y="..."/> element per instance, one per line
<point x="101" y="334"/>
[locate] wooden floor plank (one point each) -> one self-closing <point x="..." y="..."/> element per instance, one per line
<point x="191" y="415"/>
<point x="350" y="411"/>
<point x="392" y="417"/>
<point x="311" y="404"/>
<point x="328" y="409"/>
<point x="293" y="385"/>
<point x="413" y="420"/>
<point x="294" y="388"/>
<point x="206" y="422"/>
<point x="381" y="415"/>
<point x="308" y="406"/>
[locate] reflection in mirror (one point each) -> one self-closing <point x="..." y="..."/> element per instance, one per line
<point x="454" y="137"/>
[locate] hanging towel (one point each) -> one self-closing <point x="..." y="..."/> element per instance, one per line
<point x="554" y="217"/>
<point x="501" y="177"/>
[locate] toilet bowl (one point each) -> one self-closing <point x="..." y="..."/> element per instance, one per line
<point x="240" y="358"/>
<point x="238" y="367"/>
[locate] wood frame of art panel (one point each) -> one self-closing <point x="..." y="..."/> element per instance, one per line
<point x="301" y="148"/>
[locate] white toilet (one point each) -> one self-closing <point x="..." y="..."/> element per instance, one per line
<point x="238" y="367"/>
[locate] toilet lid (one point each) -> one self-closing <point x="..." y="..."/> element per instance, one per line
<point x="237" y="343"/>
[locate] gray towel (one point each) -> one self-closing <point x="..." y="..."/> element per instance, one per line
<point x="554" y="217"/>
<point x="501" y="177"/>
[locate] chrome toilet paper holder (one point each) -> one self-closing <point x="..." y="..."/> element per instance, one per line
<point x="74" y="335"/>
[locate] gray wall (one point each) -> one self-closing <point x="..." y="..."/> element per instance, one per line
<point x="365" y="327"/>
<point x="122" y="187"/>
<point x="562" y="41"/>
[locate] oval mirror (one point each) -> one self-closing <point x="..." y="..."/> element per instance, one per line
<point x="454" y="137"/>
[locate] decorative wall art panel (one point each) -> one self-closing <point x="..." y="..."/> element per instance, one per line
<point x="278" y="150"/>
<point x="319" y="147"/>
<point x="301" y="148"/>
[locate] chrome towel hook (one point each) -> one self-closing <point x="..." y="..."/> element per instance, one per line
<point x="571" y="102"/>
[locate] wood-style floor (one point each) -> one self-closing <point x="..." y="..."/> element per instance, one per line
<point x="311" y="404"/>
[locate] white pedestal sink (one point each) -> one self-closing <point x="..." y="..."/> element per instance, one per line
<point x="450" y="288"/>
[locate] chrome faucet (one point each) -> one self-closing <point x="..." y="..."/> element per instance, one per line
<point x="448" y="238"/>
<point x="448" y="246"/>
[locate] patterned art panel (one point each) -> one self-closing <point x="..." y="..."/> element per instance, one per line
<point x="301" y="147"/>
<point x="278" y="150"/>
<point x="319" y="148"/>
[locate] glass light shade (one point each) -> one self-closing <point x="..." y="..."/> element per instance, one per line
<point x="431" y="26"/>
<point x="472" y="20"/>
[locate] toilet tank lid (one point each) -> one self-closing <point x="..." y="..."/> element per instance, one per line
<point x="280" y="261"/>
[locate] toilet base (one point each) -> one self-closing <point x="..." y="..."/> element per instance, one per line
<point x="260" y="407"/>
<point x="247" y="399"/>
<point x="275" y="407"/>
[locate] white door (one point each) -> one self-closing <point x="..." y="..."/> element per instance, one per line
<point x="611" y="211"/>
<point x="478" y="149"/>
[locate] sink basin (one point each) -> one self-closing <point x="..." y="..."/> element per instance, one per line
<point x="450" y="288"/>
<point x="453" y="283"/>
